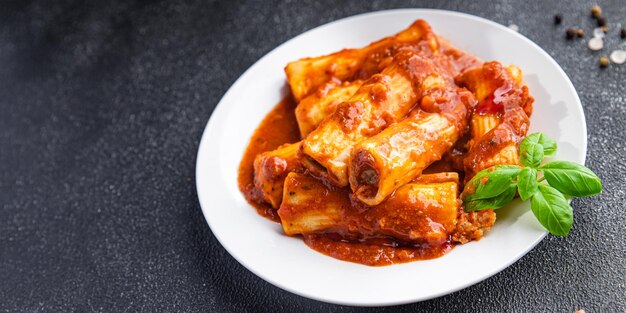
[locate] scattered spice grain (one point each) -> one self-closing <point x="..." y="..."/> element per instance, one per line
<point x="558" y="19"/>
<point x="570" y="33"/>
<point x="580" y="33"/>
<point x="596" y="11"/>
<point x="604" y="62"/>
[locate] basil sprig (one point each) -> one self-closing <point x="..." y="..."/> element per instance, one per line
<point x="496" y="186"/>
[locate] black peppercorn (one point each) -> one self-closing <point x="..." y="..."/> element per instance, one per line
<point x="558" y="19"/>
<point x="604" y="61"/>
<point x="570" y="33"/>
<point x="601" y="21"/>
<point x="623" y="33"/>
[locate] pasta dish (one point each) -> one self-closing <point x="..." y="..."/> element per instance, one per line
<point x="367" y="156"/>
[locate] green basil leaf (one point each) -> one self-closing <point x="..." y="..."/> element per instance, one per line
<point x="531" y="151"/>
<point x="571" y="178"/>
<point x="552" y="210"/>
<point x="491" y="203"/>
<point x="548" y="144"/>
<point x="490" y="182"/>
<point x="535" y="147"/>
<point x="527" y="183"/>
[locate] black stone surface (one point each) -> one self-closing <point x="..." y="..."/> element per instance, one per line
<point x="102" y="105"/>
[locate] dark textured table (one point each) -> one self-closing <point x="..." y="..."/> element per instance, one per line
<point x="102" y="106"/>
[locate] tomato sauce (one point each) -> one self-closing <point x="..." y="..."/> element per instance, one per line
<point x="383" y="252"/>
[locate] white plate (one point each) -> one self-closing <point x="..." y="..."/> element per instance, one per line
<point x="288" y="263"/>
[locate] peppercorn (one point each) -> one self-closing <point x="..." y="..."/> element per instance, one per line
<point x="604" y="61"/>
<point x="558" y="19"/>
<point x="623" y="33"/>
<point x="580" y="32"/>
<point x="601" y="21"/>
<point x="604" y="29"/>
<point x="570" y="33"/>
<point x="596" y="11"/>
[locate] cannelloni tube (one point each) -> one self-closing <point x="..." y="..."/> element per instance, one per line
<point x="421" y="212"/>
<point x="314" y="108"/>
<point x="306" y="75"/>
<point x="381" y="164"/>
<point x="384" y="162"/>
<point x="271" y="168"/>
<point x="308" y="206"/>
<point x="382" y="100"/>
